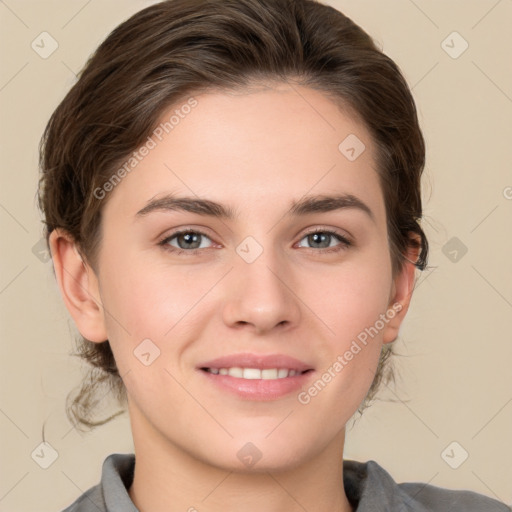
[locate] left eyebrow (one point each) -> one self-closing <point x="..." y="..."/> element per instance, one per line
<point x="324" y="203"/>
<point x="306" y="205"/>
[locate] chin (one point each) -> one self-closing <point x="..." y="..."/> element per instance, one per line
<point x="261" y="452"/>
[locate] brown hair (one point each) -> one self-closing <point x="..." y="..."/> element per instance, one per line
<point x="179" y="47"/>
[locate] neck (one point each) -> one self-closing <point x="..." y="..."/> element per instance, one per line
<point x="168" y="478"/>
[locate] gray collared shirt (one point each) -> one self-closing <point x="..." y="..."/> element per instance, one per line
<point x="368" y="486"/>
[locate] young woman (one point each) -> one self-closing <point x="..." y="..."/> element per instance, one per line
<point x="231" y="192"/>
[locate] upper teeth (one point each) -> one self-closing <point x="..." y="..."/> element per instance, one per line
<point x="255" y="373"/>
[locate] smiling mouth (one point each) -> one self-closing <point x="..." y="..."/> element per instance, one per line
<point x="256" y="373"/>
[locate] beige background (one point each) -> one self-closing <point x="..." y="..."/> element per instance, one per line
<point x="456" y="380"/>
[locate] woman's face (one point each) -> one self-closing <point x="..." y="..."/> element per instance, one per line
<point x="249" y="174"/>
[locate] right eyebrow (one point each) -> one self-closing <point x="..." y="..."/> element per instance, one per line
<point x="189" y="204"/>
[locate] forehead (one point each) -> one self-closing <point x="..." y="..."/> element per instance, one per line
<point x="244" y="148"/>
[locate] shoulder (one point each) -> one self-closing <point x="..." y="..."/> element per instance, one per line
<point x="90" y="501"/>
<point x="438" y="498"/>
<point x="111" y="494"/>
<point x="370" y="487"/>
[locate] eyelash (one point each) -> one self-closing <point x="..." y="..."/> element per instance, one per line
<point x="343" y="245"/>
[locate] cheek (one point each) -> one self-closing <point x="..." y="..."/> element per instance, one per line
<point x="149" y="317"/>
<point x="146" y="300"/>
<point x="350" y="301"/>
<point x="149" y="299"/>
<point x="348" y="298"/>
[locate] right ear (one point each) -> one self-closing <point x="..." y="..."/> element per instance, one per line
<point x="78" y="285"/>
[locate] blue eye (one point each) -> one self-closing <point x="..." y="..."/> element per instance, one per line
<point x="321" y="239"/>
<point x="188" y="241"/>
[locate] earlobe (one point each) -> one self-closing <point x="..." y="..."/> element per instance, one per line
<point x="401" y="294"/>
<point x="78" y="285"/>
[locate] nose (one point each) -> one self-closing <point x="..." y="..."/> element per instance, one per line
<point x="260" y="296"/>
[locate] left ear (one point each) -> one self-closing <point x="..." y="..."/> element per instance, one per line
<point x="401" y="292"/>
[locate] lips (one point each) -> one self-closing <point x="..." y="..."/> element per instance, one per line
<point x="257" y="377"/>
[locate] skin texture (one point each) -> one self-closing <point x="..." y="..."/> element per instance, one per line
<point x="254" y="151"/>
